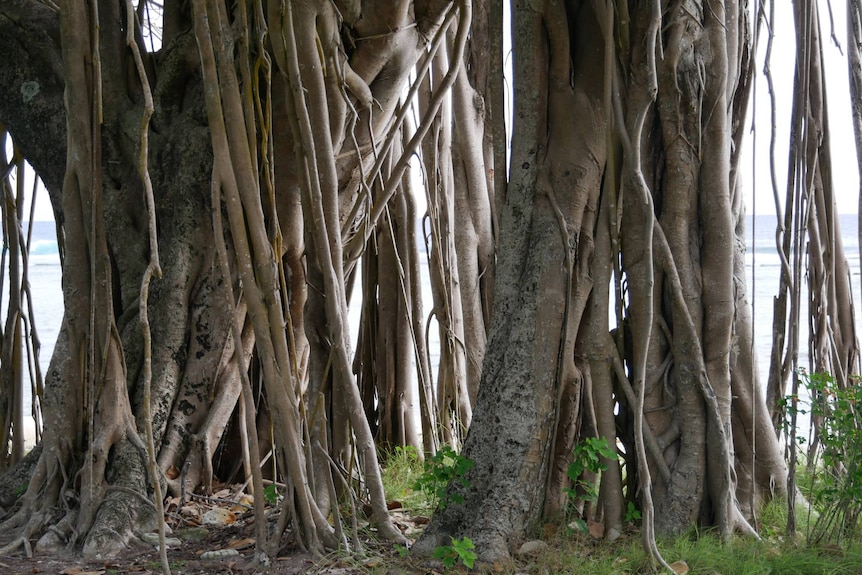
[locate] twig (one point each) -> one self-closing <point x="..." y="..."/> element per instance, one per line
<point x="219" y="500"/>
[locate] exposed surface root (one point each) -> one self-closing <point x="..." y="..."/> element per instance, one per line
<point x="17" y="478"/>
<point x="19" y="542"/>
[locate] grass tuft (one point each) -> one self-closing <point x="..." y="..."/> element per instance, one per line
<point x="401" y="468"/>
<point x="572" y="552"/>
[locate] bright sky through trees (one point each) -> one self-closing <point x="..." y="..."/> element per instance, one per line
<point x="838" y="101"/>
<point x="843" y="147"/>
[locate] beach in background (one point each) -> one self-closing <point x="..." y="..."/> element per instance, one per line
<point x="762" y="277"/>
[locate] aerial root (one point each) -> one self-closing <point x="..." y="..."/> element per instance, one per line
<point x="742" y="525"/>
<point x="20" y="541"/>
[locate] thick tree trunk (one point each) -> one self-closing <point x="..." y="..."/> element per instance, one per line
<point x="624" y="173"/>
<point x="201" y="345"/>
<point x="539" y="295"/>
<point x="675" y="181"/>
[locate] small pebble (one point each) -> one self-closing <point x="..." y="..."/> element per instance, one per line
<point x="219" y="554"/>
<point x="532" y="548"/>
<point x="193" y="534"/>
<point x="218" y="516"/>
<point x="153" y="539"/>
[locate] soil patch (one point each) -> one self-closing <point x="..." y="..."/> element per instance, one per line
<point x="210" y="535"/>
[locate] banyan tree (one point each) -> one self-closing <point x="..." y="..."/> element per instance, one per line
<point x="234" y="181"/>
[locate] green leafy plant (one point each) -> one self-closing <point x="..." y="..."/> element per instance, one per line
<point x="580" y="525"/>
<point x="270" y="494"/>
<point x="402" y="551"/>
<point x="445" y="466"/>
<point x="632" y="513"/>
<point x="458" y="550"/>
<point x="587" y="457"/>
<point x="833" y="482"/>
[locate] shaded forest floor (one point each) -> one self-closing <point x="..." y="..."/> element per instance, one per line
<point x="223" y="543"/>
<point x="215" y="535"/>
<point x="560" y="553"/>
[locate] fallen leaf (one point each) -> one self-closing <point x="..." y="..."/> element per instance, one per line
<point x="400" y="525"/>
<point x="190" y="511"/>
<point x="80" y="571"/>
<point x="372" y="562"/>
<point x="679" y="567"/>
<point x="172" y="472"/>
<point x="218" y="516"/>
<point x="241" y="543"/>
<point x="243" y="504"/>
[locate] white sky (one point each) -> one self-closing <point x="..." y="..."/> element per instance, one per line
<point x="843" y="147"/>
<point x="757" y="172"/>
<point x="43" y="211"/>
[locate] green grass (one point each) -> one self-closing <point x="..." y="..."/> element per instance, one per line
<point x="575" y="553"/>
<point x="400" y="470"/>
<point x="704" y="554"/>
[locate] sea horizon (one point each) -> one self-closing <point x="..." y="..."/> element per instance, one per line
<point x="762" y="257"/>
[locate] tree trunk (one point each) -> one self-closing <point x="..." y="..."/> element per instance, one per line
<point x="204" y="330"/>
<point x="653" y="131"/>
<point x="295" y="128"/>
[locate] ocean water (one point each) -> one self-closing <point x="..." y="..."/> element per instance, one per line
<point x="763" y="268"/>
<point x="45" y="289"/>
<point x="762" y="273"/>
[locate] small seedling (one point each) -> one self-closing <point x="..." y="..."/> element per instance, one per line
<point x="632" y="513"/>
<point x="587" y="456"/>
<point x="270" y="494"/>
<point x="459" y="549"/>
<point x="402" y="551"/>
<point x="580" y="525"/>
<point x="834" y="487"/>
<point x="445" y="466"/>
